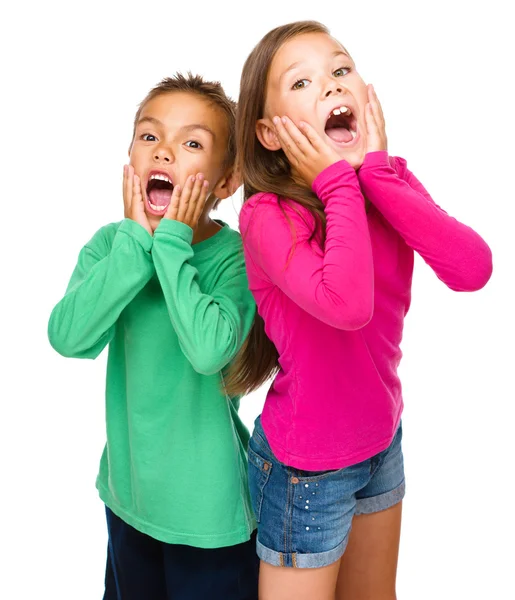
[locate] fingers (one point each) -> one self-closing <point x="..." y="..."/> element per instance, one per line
<point x="194" y="199"/>
<point x="173" y="209"/>
<point x="305" y="149"/>
<point x="185" y="198"/>
<point x="200" y="204"/>
<point x="376" y="133"/>
<point x="127" y="186"/>
<point x="292" y="141"/>
<point x="136" y="190"/>
<point x="187" y="204"/>
<point x="312" y="135"/>
<point x="372" y="130"/>
<point x="376" y="106"/>
<point x="370" y="120"/>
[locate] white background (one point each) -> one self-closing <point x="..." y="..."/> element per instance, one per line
<point x="72" y="77"/>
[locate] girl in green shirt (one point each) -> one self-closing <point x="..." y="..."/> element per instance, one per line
<point x="166" y="290"/>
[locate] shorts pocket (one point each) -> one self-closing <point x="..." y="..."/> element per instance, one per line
<point x="259" y="473"/>
<point x="314" y="476"/>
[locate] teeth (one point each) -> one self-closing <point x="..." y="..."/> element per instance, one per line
<point x="353" y="133"/>
<point x="161" y="177"/>
<point x="154" y="207"/>
<point x="342" y="110"/>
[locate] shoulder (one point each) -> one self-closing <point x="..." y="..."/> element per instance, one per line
<point x="231" y="237"/>
<point x="225" y="260"/>
<point x="228" y="246"/>
<point x="102" y="241"/>
<point x="262" y="202"/>
<point x="277" y="213"/>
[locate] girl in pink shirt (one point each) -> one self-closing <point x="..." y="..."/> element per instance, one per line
<point x="330" y="224"/>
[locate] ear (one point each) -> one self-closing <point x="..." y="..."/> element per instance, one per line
<point x="228" y="184"/>
<point x="266" y="134"/>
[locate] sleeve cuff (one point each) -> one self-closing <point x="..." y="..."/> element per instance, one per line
<point x="375" y="159"/>
<point x="176" y="229"/>
<point x="341" y="167"/>
<point x="139" y="233"/>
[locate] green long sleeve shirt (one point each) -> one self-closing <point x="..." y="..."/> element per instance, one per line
<point x="174" y="315"/>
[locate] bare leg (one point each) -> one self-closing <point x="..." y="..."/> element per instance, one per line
<point x="284" y="583"/>
<point x="368" y="569"/>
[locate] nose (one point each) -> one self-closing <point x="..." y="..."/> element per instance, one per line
<point x="333" y="87"/>
<point x="163" y="154"/>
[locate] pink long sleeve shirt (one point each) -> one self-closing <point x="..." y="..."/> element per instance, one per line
<point x="335" y="311"/>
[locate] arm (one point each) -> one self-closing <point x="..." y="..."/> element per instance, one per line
<point x="456" y="253"/>
<point x="334" y="284"/>
<point x="211" y="327"/>
<point x="103" y="283"/>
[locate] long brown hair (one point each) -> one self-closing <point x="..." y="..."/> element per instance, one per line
<point x="265" y="171"/>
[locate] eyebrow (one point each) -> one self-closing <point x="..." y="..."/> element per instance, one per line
<point x="296" y="64"/>
<point x="152" y="120"/>
<point x="185" y="128"/>
<point x="199" y="126"/>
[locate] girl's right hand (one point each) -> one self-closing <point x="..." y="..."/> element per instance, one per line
<point x="307" y="153"/>
<point x="133" y="198"/>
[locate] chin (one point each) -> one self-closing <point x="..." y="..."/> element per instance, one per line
<point x="355" y="159"/>
<point x="153" y="221"/>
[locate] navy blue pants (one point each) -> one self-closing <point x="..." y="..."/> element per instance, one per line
<point x="140" y="567"/>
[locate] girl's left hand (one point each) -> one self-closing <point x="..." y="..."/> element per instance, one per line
<point x="376" y="134"/>
<point x="187" y="203"/>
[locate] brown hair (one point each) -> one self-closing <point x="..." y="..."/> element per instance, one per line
<point x="265" y="171"/>
<point x="212" y="91"/>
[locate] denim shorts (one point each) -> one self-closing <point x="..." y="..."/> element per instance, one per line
<point x="305" y="517"/>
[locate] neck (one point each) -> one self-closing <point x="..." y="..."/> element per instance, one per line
<point x="205" y="229"/>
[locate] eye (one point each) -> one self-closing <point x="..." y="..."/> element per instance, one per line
<point x="300" y="84"/>
<point x="193" y="144"/>
<point x="341" y="72"/>
<point x="148" y="137"/>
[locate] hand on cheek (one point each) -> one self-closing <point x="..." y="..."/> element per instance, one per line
<point x="134" y="207"/>
<point x="187" y="203"/>
<point x="305" y="150"/>
<point x="376" y="133"/>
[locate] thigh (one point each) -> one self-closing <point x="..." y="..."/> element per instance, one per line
<point x="368" y="568"/>
<point x="230" y="573"/>
<point x="283" y="583"/>
<point x="134" y="563"/>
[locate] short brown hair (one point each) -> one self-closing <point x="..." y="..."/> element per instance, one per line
<point x="212" y="91"/>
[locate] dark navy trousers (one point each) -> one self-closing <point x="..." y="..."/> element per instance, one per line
<point x="140" y="567"/>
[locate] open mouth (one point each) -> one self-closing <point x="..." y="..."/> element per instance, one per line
<point x="159" y="192"/>
<point x="342" y="126"/>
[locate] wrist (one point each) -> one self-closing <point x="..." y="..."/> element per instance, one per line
<point x="375" y="158"/>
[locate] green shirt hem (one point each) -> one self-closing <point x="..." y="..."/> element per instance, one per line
<point x="175" y="537"/>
